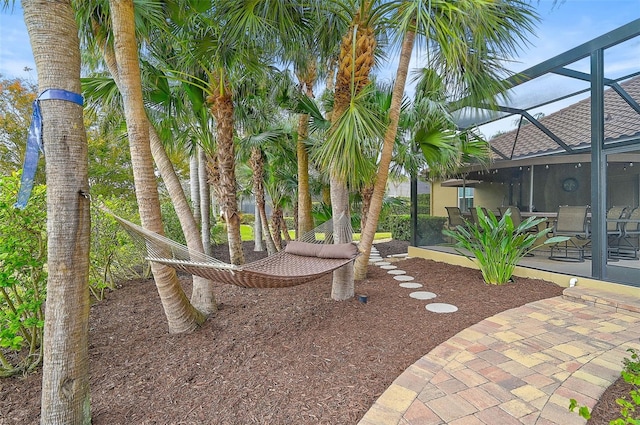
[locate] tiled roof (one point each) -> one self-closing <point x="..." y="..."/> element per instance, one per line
<point x="573" y="126"/>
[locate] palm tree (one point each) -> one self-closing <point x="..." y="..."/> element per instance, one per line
<point x="343" y="155"/>
<point x="65" y="375"/>
<point x="181" y="315"/>
<point x="96" y="35"/>
<point x="466" y="42"/>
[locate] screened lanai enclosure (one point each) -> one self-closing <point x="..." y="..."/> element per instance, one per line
<point x="576" y="142"/>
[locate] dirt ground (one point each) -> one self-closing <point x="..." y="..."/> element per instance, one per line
<point x="272" y="356"/>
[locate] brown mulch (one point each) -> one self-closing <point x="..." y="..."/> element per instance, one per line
<point x="274" y="356"/>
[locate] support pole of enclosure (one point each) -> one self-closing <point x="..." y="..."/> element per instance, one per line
<point x="598" y="169"/>
<point x="531" y="189"/>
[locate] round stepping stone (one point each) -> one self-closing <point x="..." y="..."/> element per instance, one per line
<point x="389" y="268"/>
<point x="441" y="308"/>
<point x="383" y="263"/>
<point x="403" y="278"/>
<point x="375" y="260"/>
<point x="422" y="295"/>
<point x="411" y="285"/>
<point x="397" y="272"/>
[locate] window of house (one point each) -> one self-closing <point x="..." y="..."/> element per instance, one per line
<point x="465" y="198"/>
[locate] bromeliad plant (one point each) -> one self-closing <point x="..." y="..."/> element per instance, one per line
<point x="497" y="245"/>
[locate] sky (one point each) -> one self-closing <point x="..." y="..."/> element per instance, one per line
<point x="563" y="25"/>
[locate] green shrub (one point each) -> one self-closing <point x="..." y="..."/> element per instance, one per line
<point x="172" y="227"/>
<point x="629" y="408"/>
<point x="399" y="226"/>
<point x="247" y="218"/>
<point x="114" y="256"/>
<point x="498" y="245"/>
<point x="23" y="255"/>
<point x="429" y="230"/>
<point x="424" y="204"/>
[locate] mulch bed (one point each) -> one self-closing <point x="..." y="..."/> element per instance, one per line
<point x="274" y="356"/>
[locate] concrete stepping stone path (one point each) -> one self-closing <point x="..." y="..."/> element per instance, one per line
<point x="397" y="272"/>
<point x="403" y="278"/>
<point x="422" y="295"/>
<point x="410" y="285"/>
<point x="441" y="308"/>
<point x="388" y="267"/>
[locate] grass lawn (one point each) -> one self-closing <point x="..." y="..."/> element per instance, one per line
<point x="246" y="233"/>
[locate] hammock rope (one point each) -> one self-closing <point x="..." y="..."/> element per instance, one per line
<point x="283" y="269"/>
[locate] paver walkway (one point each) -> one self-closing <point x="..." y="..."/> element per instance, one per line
<point x="520" y="366"/>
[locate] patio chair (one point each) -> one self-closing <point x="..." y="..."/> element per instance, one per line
<point x="455" y="218"/>
<point x="474" y="214"/>
<point x="516" y="217"/>
<point x="572" y="222"/>
<point x="629" y="243"/>
<point x="615" y="229"/>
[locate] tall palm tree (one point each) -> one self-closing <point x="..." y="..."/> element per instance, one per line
<point x="65" y="376"/>
<point x="96" y="34"/>
<point x="343" y="154"/>
<point x="465" y="41"/>
<point x="181" y="315"/>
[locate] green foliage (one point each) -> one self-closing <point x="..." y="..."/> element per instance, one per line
<point x="628" y="407"/>
<point x="16" y="98"/>
<point x="172" y="227"/>
<point x="430" y="230"/>
<point x="23" y="255"/>
<point x="424" y="203"/>
<point x="114" y="256"/>
<point x="249" y="219"/>
<point x="583" y="411"/>
<point x="399" y="226"/>
<point x="498" y="245"/>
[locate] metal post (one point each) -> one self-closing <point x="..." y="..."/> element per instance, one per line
<point x="598" y="169"/>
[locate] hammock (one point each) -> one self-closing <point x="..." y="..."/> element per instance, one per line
<point x="308" y="259"/>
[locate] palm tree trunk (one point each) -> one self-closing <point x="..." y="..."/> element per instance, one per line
<point x="305" y="219"/>
<point x="355" y="63"/>
<point x="257" y="229"/>
<point x="222" y="108"/>
<point x="181" y="315"/>
<point x="343" y="285"/>
<point x="368" y="233"/>
<point x="194" y="185"/>
<point x="366" y="193"/>
<point x="202" y="295"/>
<point x="256" y="162"/>
<point x="276" y="216"/>
<point x="205" y="201"/>
<point x="65" y="374"/>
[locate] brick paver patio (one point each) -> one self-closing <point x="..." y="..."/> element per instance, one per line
<point x="519" y="367"/>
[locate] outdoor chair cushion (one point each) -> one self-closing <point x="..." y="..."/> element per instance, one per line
<point x="305" y="249"/>
<point x="340" y="250"/>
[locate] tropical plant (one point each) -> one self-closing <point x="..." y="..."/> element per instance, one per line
<point x="23" y="278"/>
<point x="496" y="245"/>
<point x="16" y="97"/>
<point x="466" y="42"/>
<point x="628" y="407"/>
